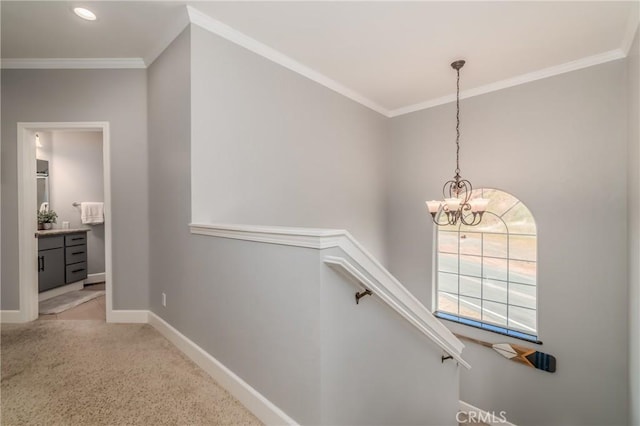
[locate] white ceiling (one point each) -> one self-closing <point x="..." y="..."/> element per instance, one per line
<point x="50" y="29"/>
<point x="394" y="55"/>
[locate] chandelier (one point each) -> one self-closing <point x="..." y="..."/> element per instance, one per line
<point x="457" y="205"/>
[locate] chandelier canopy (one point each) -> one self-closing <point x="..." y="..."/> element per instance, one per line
<point x="457" y="205"/>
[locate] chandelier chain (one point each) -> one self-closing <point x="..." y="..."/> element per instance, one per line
<point x="458" y="123"/>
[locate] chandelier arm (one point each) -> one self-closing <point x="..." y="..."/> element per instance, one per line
<point x="466" y="188"/>
<point x="433" y="216"/>
<point x="451" y="218"/>
<point x="473" y="222"/>
<point x="456" y="186"/>
<point x="447" y="188"/>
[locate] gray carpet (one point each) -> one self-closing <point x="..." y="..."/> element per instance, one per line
<point x="65" y="301"/>
<point x="94" y="373"/>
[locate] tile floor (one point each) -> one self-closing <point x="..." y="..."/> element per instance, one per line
<point x="94" y="309"/>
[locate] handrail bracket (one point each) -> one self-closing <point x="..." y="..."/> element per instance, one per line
<point x="362" y="294"/>
<point x="444" y="358"/>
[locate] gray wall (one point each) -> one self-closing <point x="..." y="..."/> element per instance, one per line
<point x="265" y="310"/>
<point x="377" y="369"/>
<point x="76" y="175"/>
<point x="560" y="145"/>
<point x="234" y="299"/>
<point x="633" y="75"/>
<point x="270" y="147"/>
<point x="116" y="96"/>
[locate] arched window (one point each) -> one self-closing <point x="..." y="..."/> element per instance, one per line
<point x="486" y="274"/>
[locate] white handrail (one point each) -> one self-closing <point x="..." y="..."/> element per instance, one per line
<point x="382" y="283"/>
<point x="383" y="293"/>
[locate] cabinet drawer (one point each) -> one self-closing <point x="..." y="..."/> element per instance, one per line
<point x="75" y="254"/>
<point x="75" y="239"/>
<point x="46" y="243"/>
<point x="76" y="272"/>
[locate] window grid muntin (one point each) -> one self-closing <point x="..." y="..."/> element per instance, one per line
<point x="508" y="320"/>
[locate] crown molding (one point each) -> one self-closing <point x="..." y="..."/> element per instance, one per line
<point x="589" y="61"/>
<point x="196" y="17"/>
<point x="225" y="31"/>
<point x="72" y="63"/>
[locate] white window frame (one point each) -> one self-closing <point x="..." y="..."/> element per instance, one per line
<point x="508" y="330"/>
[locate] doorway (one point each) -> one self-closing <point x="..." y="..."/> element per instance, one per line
<point x="29" y="189"/>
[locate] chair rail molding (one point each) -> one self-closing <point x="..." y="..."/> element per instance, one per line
<point x="382" y="283"/>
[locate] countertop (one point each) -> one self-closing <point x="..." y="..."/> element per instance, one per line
<point x="59" y="231"/>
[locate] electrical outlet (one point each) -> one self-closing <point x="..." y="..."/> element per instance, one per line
<point x="164" y="300"/>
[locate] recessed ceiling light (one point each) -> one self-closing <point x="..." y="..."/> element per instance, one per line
<point x="84" y="13"/>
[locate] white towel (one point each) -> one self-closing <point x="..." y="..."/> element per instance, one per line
<point x="92" y="213"/>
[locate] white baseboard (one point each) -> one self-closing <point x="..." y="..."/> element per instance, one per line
<point x="127" y="316"/>
<point x="255" y="402"/>
<point x="46" y="295"/>
<point x="477" y="415"/>
<point x="115" y="316"/>
<point x="96" y="278"/>
<point x="10" y="316"/>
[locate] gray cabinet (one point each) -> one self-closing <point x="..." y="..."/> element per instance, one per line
<point x="50" y="268"/>
<point x="62" y="259"/>
<point x="75" y="257"/>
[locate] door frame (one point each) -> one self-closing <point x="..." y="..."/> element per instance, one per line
<point x="27" y="206"/>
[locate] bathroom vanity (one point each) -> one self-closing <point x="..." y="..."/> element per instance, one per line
<point x="62" y="257"/>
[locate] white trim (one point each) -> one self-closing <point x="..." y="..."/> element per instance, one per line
<point x="253" y="400"/>
<point x="95" y="278"/>
<point x="589" y="61"/>
<point x="108" y="223"/>
<point x="10" y="317"/>
<point x="27" y="243"/>
<point x="384" y="294"/>
<point x="50" y="294"/>
<point x="27" y="205"/>
<point x="72" y="63"/>
<point x="128" y="316"/>
<point x="395" y="294"/>
<point x="196" y="17"/>
<point x="484" y="415"/>
<point x="299" y="237"/>
<point x="225" y="31"/>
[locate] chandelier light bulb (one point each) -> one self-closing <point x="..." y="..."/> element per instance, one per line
<point x="452" y="204"/>
<point x="479" y="205"/>
<point x="433" y="206"/>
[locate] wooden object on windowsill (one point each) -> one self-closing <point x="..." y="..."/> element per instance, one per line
<point x="521" y="354"/>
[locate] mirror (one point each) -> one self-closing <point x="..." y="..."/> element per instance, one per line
<point x="42" y="178"/>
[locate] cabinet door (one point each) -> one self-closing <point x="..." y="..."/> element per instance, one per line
<point x="51" y="269"/>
